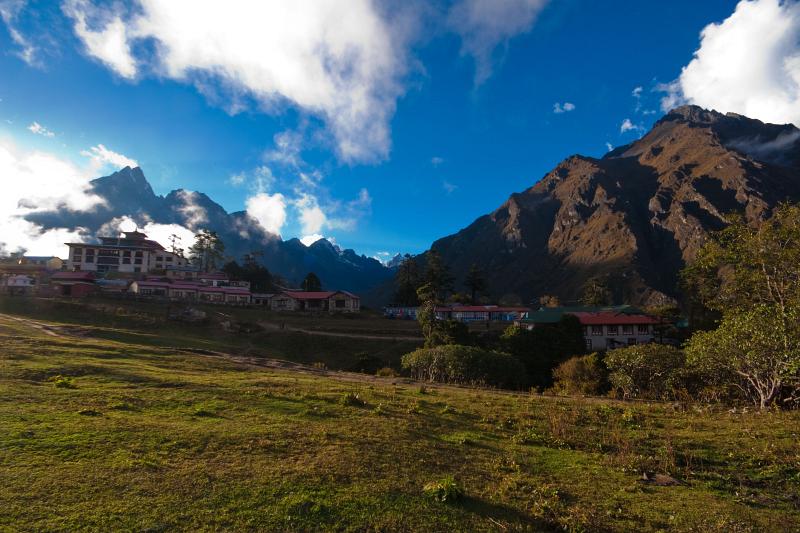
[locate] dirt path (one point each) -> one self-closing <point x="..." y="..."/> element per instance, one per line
<point x="276" y="327"/>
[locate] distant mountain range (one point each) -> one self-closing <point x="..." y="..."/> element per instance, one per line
<point x="634" y="217"/>
<point x="128" y="193"/>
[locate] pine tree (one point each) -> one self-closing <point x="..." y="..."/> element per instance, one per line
<point x="475" y="282"/>
<point x="312" y="283"/>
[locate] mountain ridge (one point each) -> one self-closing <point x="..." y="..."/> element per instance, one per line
<point x="634" y="216"/>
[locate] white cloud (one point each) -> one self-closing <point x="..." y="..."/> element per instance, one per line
<point x="437" y="161"/>
<point x="627" y="125"/>
<point x="237" y="180"/>
<point x="9" y="11"/>
<point x="161" y="233"/>
<point x="38" y="129"/>
<point x="566" y="107"/>
<point x="110" y="44"/>
<point x="35" y="181"/>
<point x="339" y="61"/>
<point x="268" y="210"/>
<point x="609" y="146"/>
<point x="485" y="25"/>
<point x="312" y="218"/>
<point x="449" y="187"/>
<point x="637" y="91"/>
<point x="193" y="214"/>
<point x="101" y="157"/>
<point x="308" y="240"/>
<point x="747" y="64"/>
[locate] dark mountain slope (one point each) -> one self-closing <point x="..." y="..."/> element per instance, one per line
<point x="636" y="215"/>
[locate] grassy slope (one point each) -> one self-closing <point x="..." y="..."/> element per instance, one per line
<point x="151" y="438"/>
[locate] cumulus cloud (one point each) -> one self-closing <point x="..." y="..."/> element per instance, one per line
<point x="38" y="129"/>
<point x="747" y="64"/>
<point x="161" y="233"/>
<point x="268" y="210"/>
<point x="609" y="146"/>
<point x="237" y="180"/>
<point x="308" y="240"/>
<point x="566" y="107"/>
<point x="339" y="61"/>
<point x="486" y="25"/>
<point x="627" y="125"/>
<point x="101" y="157"/>
<point x="109" y="44"/>
<point x="35" y="181"/>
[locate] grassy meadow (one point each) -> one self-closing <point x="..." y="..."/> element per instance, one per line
<point x="106" y="431"/>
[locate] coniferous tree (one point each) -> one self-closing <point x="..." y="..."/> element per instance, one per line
<point x="475" y="282"/>
<point x="312" y="283"/>
<point x="407" y="280"/>
<point x="208" y="250"/>
<point x="437" y="275"/>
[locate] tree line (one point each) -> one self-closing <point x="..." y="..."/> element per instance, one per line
<point x="437" y="277"/>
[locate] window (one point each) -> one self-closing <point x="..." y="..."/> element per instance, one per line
<point x="597" y="330"/>
<point x="589" y="345"/>
<point x="169" y="259"/>
<point x="612" y="330"/>
<point x="89" y="256"/>
<point x="632" y="342"/>
<point x="137" y="269"/>
<point x="340" y="304"/>
<point x="643" y="329"/>
<point x="627" y="329"/>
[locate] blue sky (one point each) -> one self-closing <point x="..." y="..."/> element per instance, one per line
<point x="459" y="116"/>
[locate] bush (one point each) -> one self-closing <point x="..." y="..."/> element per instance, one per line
<point x="585" y="374"/>
<point x="352" y="399"/>
<point x="63" y="382"/>
<point x="446" y="489"/>
<point x="464" y="365"/>
<point x="386" y="372"/>
<point x="655" y="371"/>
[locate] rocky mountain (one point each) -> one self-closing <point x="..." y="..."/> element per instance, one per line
<point x="128" y="193"/>
<point x="635" y="216"/>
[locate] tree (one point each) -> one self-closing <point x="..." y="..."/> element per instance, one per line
<point x="259" y="277"/>
<point x="751" y="275"/>
<point x="207" y="251"/>
<point x="475" y="282"/>
<point x="596" y="292"/>
<point x="465" y="365"/>
<point x="647" y="371"/>
<point x="407" y="281"/>
<point x="437" y="275"/>
<point x="583" y="374"/>
<point x="544" y="347"/>
<point x="312" y="283"/>
<point x="755" y="351"/>
<point x="549" y="300"/>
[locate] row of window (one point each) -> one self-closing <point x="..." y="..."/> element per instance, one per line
<point x="612" y="343"/>
<point x="627" y="329"/>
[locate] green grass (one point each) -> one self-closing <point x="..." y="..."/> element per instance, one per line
<point x="148" y="437"/>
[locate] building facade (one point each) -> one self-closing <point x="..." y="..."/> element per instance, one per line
<point x="131" y="253"/>
<point x="322" y="301"/>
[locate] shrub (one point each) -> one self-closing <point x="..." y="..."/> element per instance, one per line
<point x="585" y="374"/>
<point x="63" y="382"/>
<point x="653" y="371"/>
<point x="446" y="489"/>
<point x="352" y="399"/>
<point x="386" y="372"/>
<point x="464" y="365"/>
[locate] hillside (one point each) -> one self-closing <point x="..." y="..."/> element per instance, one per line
<point x="636" y="215"/>
<point x="128" y="193"/>
<point x="118" y="433"/>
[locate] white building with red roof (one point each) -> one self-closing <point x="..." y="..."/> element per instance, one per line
<point x="320" y="301"/>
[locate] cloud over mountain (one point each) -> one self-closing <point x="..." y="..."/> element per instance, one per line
<point x="747" y="64"/>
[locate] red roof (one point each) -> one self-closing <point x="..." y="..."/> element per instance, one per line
<point x="153" y="284"/>
<point x="487" y="308"/>
<point x="73" y="276"/>
<point x="213" y="275"/>
<point x="303" y="295"/>
<point x="608" y="318"/>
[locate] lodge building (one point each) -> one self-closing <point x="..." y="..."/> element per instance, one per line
<point x="131" y="253"/>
